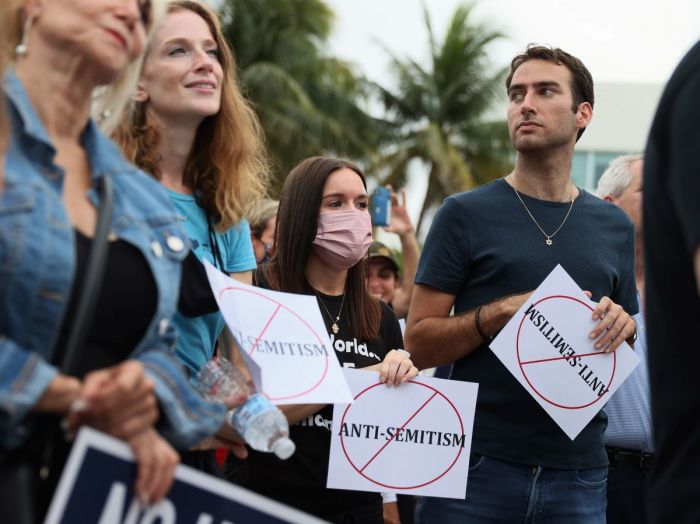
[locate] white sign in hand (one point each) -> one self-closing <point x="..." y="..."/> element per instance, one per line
<point x="547" y="348"/>
<point x="285" y="335"/>
<point x="414" y="438"/>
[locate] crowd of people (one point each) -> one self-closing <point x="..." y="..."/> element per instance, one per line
<point x="129" y="155"/>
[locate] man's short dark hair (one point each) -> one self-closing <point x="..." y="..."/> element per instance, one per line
<point x="581" y="79"/>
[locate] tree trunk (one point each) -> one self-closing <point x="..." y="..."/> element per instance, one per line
<point x="429" y="196"/>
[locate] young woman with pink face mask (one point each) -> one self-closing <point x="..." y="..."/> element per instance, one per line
<point x="321" y="242"/>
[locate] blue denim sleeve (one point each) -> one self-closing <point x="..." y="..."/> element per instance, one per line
<point x="186" y="418"/>
<point x="24" y="376"/>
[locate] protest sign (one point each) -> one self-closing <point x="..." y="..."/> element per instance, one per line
<point x="547" y="348"/>
<point x="96" y="486"/>
<point x="285" y="335"/>
<point x="414" y="438"/>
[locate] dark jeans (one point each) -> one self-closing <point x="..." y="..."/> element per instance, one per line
<point x="627" y="494"/>
<point x="503" y="492"/>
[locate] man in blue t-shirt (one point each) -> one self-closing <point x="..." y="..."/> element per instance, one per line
<point x="486" y="251"/>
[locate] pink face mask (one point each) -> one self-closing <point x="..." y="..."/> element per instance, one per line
<point x="343" y="237"/>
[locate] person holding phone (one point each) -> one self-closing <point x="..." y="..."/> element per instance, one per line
<point x="385" y="281"/>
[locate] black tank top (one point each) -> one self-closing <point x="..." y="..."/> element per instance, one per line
<point x="126" y="304"/>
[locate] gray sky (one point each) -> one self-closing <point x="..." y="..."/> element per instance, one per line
<point x="619" y="40"/>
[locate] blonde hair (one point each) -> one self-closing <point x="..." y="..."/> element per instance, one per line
<point x="227" y="165"/>
<point x="110" y="102"/>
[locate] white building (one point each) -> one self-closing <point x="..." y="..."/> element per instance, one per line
<point x="622" y="117"/>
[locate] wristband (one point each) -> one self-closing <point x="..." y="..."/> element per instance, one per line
<point x="477" y="323"/>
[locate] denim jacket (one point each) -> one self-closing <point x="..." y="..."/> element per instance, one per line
<point x="37" y="265"/>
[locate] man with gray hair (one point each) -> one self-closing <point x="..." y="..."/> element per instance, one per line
<point x="628" y="437"/>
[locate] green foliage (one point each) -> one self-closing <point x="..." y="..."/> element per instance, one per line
<point x="309" y="103"/>
<point x="439" y="112"/>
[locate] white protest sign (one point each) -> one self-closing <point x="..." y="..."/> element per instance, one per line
<point x="414" y="438"/>
<point x="547" y="348"/>
<point x="285" y="335"/>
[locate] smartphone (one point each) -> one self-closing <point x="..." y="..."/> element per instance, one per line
<point x="381" y="207"/>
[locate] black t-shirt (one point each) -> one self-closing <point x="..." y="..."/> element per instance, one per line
<point x="125" y="306"/>
<point x="126" y="303"/>
<point x="483" y="246"/>
<point x="672" y="236"/>
<point x="300" y="481"/>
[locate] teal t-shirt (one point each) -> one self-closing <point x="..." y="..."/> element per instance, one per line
<point x="197" y="335"/>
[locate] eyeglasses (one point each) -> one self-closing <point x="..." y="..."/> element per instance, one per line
<point x="145" y="10"/>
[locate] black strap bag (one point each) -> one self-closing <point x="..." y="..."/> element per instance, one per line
<point x="28" y="474"/>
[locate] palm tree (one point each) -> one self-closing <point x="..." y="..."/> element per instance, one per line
<point x="439" y="113"/>
<point x="309" y="102"/>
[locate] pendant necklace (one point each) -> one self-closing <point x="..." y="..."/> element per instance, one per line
<point x="334" y="325"/>
<point x="548" y="238"/>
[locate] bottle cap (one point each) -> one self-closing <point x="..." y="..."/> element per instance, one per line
<point x="284" y="448"/>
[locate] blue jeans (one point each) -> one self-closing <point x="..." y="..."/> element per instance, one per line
<point x="504" y="492"/>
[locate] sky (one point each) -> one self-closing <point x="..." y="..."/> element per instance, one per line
<point x="639" y="41"/>
<point x="618" y="40"/>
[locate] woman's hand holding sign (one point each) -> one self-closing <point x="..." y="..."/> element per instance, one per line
<point x="396" y="367"/>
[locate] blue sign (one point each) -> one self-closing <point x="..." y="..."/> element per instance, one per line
<point x="97" y="486"/>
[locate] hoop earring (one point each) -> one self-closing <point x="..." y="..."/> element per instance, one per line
<point x="21" y="49"/>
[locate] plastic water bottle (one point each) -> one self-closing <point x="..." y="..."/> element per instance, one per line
<point x="261" y="424"/>
<point x="219" y="378"/>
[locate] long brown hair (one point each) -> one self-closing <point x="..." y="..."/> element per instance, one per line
<point x="297" y="222"/>
<point x="227" y="165"/>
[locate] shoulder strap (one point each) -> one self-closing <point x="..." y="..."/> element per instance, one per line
<point x="218" y="260"/>
<point x="94" y="275"/>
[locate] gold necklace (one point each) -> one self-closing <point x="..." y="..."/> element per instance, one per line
<point x="548" y="238"/>
<point x="334" y="326"/>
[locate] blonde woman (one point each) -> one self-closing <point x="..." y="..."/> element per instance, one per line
<point x="126" y="380"/>
<point x="191" y="129"/>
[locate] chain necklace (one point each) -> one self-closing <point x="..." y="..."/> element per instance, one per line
<point x="548" y="238"/>
<point x="334" y="326"/>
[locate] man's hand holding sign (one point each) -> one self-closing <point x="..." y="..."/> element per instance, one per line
<point x="615" y="327"/>
<point x="561" y="347"/>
